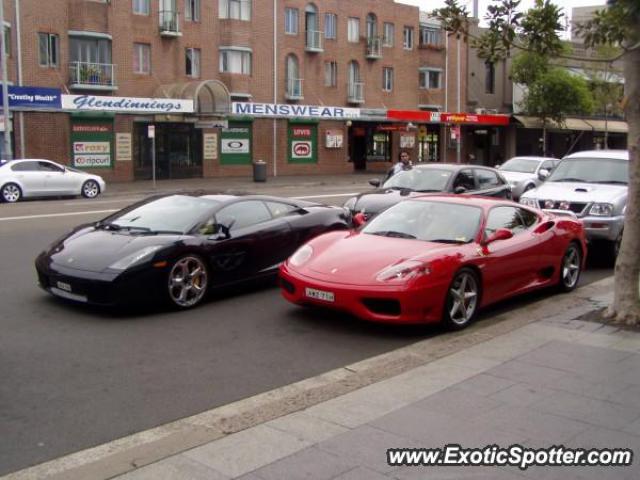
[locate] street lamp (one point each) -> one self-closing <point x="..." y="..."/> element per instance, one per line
<point x="5" y="88"/>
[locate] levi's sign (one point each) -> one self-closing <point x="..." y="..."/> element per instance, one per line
<point x="286" y="110"/>
<point x="126" y="104"/>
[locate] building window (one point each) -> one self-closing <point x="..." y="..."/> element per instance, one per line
<point x="292" y="77"/>
<point x="388" y="34"/>
<point x="407" y="38"/>
<point x="430" y="78"/>
<point x="379" y="146"/>
<point x="142" y="58"/>
<point x="291" y="21"/>
<point x="235" y="9"/>
<point x="330" y="26"/>
<point x="235" y="61"/>
<point x="430" y="35"/>
<point x="192" y="10"/>
<point x="330" y="74"/>
<point x="192" y="58"/>
<point x="387" y="79"/>
<point x="489" y="77"/>
<point x="353" y="30"/>
<point x="141" y="7"/>
<point x="48" y="46"/>
<point x="89" y="50"/>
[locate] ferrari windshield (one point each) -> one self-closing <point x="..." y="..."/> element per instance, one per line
<point x="420" y="180"/>
<point x="592" y="170"/>
<point x="175" y="213"/>
<point x="429" y="221"/>
<point x="522" y="165"/>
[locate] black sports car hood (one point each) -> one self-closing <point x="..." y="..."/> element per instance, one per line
<point x="95" y="250"/>
<point x="381" y="199"/>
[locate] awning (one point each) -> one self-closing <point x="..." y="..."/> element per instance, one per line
<point x="613" y="126"/>
<point x="571" y="123"/>
<point x="210" y="97"/>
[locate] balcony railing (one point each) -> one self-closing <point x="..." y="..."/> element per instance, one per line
<point x="314" y="41"/>
<point x="355" y="92"/>
<point x="169" y="23"/>
<point x="92" y="76"/>
<point x="294" y="89"/>
<point x="374" y="47"/>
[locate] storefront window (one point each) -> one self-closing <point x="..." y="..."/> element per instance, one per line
<point x="379" y="146"/>
<point x="429" y="146"/>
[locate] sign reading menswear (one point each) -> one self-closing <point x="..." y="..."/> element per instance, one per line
<point x="272" y="110"/>
<point x="95" y="103"/>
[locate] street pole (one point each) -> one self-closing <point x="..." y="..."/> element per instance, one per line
<point x="275" y="86"/>
<point x="151" y="133"/>
<point x="459" y="136"/>
<point x="7" y="154"/>
<point x="19" y="53"/>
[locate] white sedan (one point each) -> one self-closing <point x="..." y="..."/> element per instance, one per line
<point x="41" y="178"/>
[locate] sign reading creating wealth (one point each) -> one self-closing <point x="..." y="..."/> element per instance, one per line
<point x="37" y="98"/>
<point x="289" y="110"/>
<point x="95" y="103"/>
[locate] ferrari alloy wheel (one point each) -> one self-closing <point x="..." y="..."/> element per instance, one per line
<point x="90" y="189"/>
<point x="11" y="193"/>
<point x="462" y="299"/>
<point x="571" y="268"/>
<point x="188" y="281"/>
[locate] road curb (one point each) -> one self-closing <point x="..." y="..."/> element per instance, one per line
<point x="129" y="453"/>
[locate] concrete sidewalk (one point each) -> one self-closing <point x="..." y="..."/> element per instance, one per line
<point x="357" y="181"/>
<point x="539" y="377"/>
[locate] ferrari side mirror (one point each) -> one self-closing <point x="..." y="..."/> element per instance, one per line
<point x="359" y="219"/>
<point x="375" y="182"/>
<point x="499" y="234"/>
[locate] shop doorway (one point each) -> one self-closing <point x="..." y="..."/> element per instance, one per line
<point x="358" y="146"/>
<point x="178" y="151"/>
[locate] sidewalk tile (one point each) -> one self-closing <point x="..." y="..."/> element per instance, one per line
<point x="456" y="473"/>
<point x="526" y="373"/>
<point x="366" y="446"/>
<point x="595" y="412"/>
<point x="633" y="428"/>
<point x="601" y="437"/>
<point x="245" y="451"/>
<point x="522" y="394"/>
<point x="532" y="424"/>
<point x="311" y="463"/>
<point x="458" y="403"/>
<point x="361" y="473"/>
<point x="582" y="352"/>
<point x="306" y="427"/>
<point x="177" y="467"/>
<point x="604" y="390"/>
<point x="486" y="384"/>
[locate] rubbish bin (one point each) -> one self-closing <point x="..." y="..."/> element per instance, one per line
<point x="259" y="171"/>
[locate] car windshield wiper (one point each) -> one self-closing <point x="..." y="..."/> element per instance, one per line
<point x="570" y="179"/>
<point x="392" y="233"/>
<point x="117" y="227"/>
<point x="446" y="240"/>
<point x="612" y="182"/>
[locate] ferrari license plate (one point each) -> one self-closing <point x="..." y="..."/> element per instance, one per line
<point x="319" y="294"/>
<point x="63" y="286"/>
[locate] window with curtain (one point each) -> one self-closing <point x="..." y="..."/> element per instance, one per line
<point x="330" y="26"/>
<point x="90" y="50"/>
<point x="330" y="74"/>
<point x="48" y="44"/>
<point x="430" y="78"/>
<point x="388" y="34"/>
<point x="235" y="61"/>
<point x="353" y="30"/>
<point x="192" y="10"/>
<point x="407" y="38"/>
<point x="291" y="21"/>
<point x="141" y="7"/>
<point x="141" y="58"/>
<point x="235" y="9"/>
<point x="387" y="79"/>
<point x="192" y="62"/>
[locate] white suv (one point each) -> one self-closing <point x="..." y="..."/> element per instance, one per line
<point x="593" y="185"/>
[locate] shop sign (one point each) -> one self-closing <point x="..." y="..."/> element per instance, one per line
<point x="334" y="138"/>
<point x="92" y="161"/>
<point x="303" y="143"/>
<point x="301" y="132"/>
<point x="33" y="97"/>
<point x="235" y="145"/>
<point x="123" y="147"/>
<point x="422" y="132"/>
<point x="442" y="117"/>
<point x="91" y="128"/>
<point x="289" y="111"/>
<point x="210" y="146"/>
<point x="91" y="144"/>
<point x="302" y="149"/>
<point x="126" y="104"/>
<point x="407" y="141"/>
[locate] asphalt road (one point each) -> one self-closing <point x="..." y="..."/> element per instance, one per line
<point x="72" y="377"/>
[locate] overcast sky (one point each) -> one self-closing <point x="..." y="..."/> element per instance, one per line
<point x="429" y="5"/>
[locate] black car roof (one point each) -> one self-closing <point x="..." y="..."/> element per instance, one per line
<point x="450" y="166"/>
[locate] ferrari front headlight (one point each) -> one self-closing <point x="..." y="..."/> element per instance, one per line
<point x="301" y="256"/>
<point x="403" y="271"/>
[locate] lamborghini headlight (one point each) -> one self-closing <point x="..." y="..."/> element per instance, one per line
<point x="137" y="258"/>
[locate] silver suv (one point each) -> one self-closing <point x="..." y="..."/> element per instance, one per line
<point x="593" y="185"/>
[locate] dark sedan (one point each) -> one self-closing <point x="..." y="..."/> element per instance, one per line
<point x="175" y="248"/>
<point x="434" y="177"/>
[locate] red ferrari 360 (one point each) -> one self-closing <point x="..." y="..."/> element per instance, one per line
<point x="436" y="258"/>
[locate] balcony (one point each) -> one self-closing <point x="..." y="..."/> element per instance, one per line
<point x="374" y="48"/>
<point x="294" y="89"/>
<point x="92" y="76"/>
<point x="355" y="92"/>
<point x="169" y="23"/>
<point x="314" y="41"/>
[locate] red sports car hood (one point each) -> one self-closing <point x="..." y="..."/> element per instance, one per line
<point x="357" y="259"/>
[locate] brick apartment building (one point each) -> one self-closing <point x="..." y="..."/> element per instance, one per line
<point x="367" y="56"/>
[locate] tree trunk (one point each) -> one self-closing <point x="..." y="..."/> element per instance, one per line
<point x="626" y="303"/>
